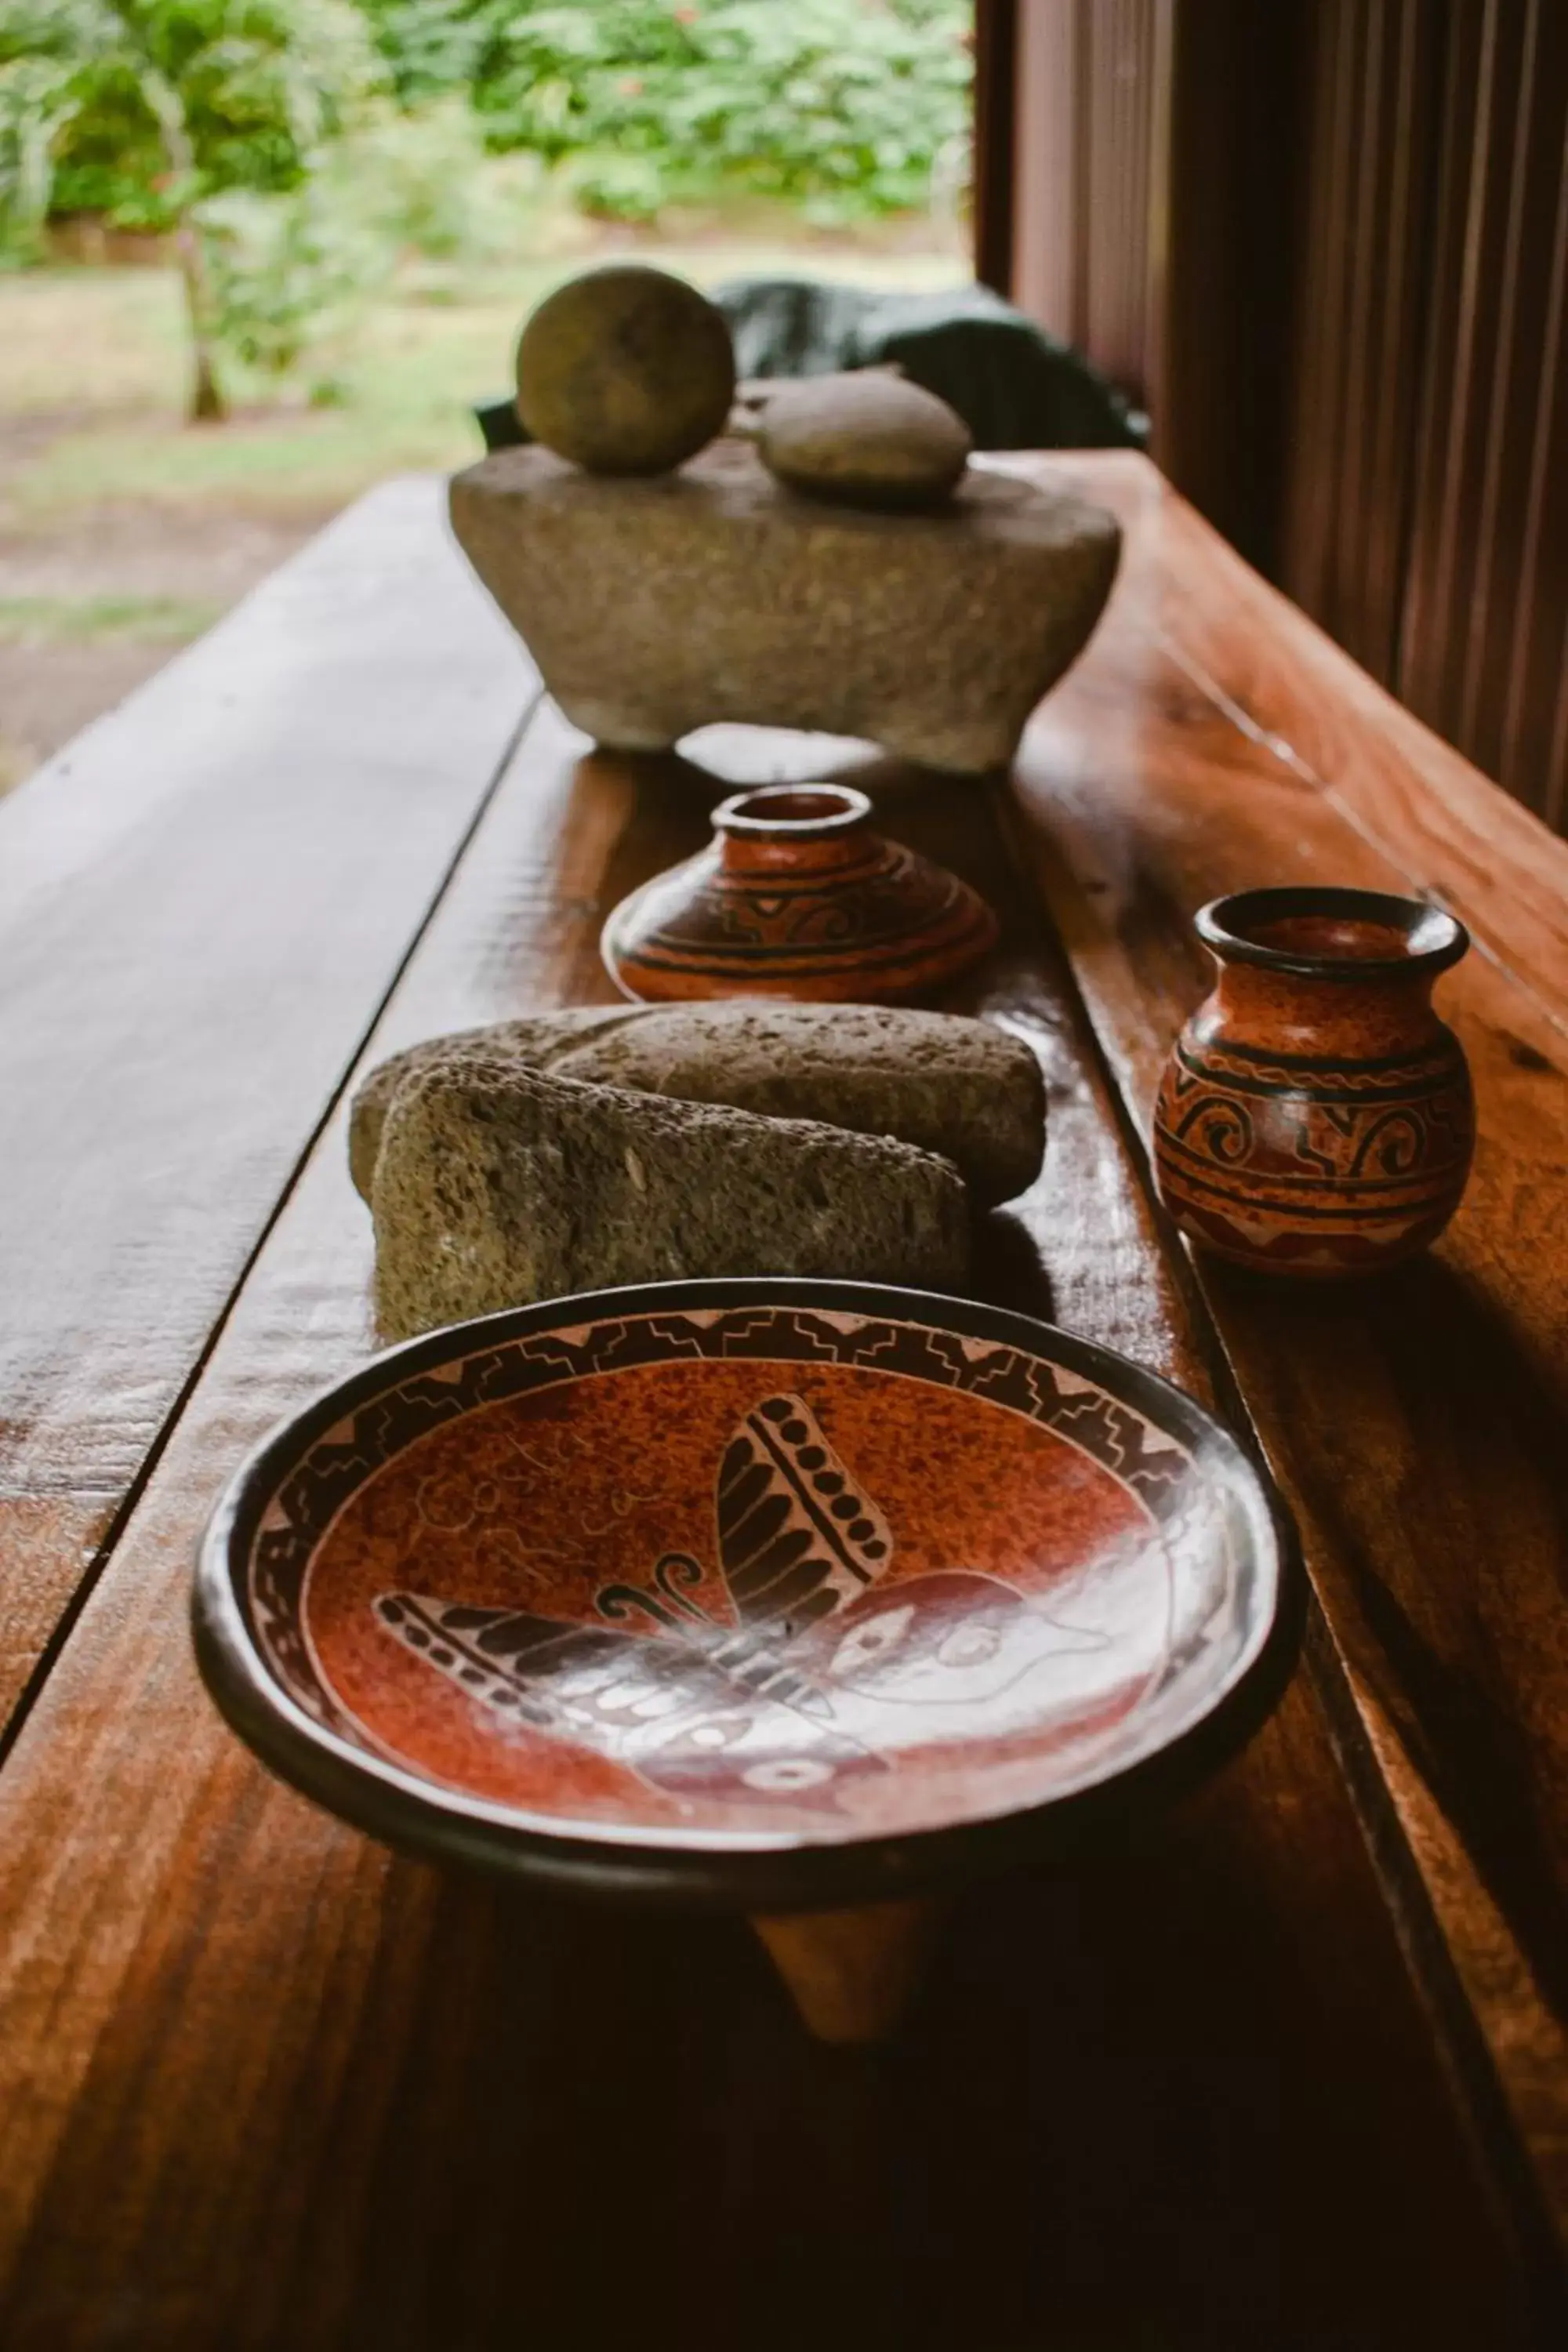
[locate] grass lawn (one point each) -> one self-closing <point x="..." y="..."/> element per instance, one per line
<point x="103" y="352"/>
<point x="124" y="531"/>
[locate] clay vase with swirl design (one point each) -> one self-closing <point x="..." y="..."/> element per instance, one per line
<point x="1316" y="1118"/>
<point x="797" y="896"/>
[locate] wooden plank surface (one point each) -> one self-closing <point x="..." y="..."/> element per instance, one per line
<point x="1295" y="693"/>
<point x="266" y="2086"/>
<point x="1419" y="1427"/>
<point x="203" y="901"/>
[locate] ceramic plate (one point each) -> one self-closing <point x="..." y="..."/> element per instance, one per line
<point x="765" y="1591"/>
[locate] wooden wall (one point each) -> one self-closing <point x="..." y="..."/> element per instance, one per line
<point x="1426" y="519"/>
<point x="1326" y="241"/>
<point x="1153" y="210"/>
<point x="1082" y="158"/>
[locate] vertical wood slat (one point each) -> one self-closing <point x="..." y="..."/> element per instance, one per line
<point x="1152" y="207"/>
<point x="1047" y="139"/>
<point x="1467" y="257"/>
<point x="1083" y="141"/>
<point x="1402" y="294"/>
<point x="1307" y="518"/>
<point x="1523" y="488"/>
<point x="996" y="145"/>
<point x="1495" y="367"/>
<point x="1362" y="499"/>
<point x="1116" y="324"/>
<point x="1535" y="697"/>
<point x="1361" y="305"/>
<point x="1374" y="405"/>
<point x="1226" y="101"/>
<point x="1426" y="510"/>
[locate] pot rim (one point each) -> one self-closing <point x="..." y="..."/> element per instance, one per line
<point x="748" y="813"/>
<point x="1434" y="939"/>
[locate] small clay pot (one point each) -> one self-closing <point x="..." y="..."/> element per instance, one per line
<point x="1316" y="1116"/>
<point x="797" y="896"/>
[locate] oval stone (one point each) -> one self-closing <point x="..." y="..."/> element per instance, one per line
<point x="867" y="439"/>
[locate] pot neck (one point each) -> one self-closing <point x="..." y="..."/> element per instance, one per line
<point x="820" y="829"/>
<point x="1304" y="1015"/>
<point x="1321" y="970"/>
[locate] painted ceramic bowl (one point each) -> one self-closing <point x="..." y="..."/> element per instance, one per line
<point x="797" y="896"/>
<point x="1315" y="1118"/>
<point x="766" y="1592"/>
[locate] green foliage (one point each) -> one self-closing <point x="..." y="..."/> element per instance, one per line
<point x="162" y="112"/>
<point x="285" y="272"/>
<point x="842" y="106"/>
<point x="421" y="179"/>
<point x="296" y="148"/>
<point x="34" y="106"/>
<point x="155" y="104"/>
<point x="435" y="47"/>
<point x="290" y="272"/>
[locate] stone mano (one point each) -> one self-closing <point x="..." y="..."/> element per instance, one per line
<point x="654" y="607"/>
<point x="868" y="439"/>
<point x="485" y="1166"/>
<point x="968" y="1090"/>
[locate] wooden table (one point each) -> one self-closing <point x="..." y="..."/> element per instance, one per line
<point x="1280" y="2071"/>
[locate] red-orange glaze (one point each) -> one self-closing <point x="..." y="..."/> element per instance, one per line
<point x="1330" y="935"/>
<point x="1316" y="1123"/>
<point x="798" y="897"/>
<point x="539" y="1504"/>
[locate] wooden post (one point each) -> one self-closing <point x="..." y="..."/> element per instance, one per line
<point x="993" y="173"/>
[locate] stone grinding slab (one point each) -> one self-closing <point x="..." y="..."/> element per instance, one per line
<point x="964" y="1088"/>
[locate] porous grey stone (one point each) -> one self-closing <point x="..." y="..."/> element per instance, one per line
<point x="625" y="369"/>
<point x="656" y="607"/>
<point x="870" y="439"/>
<point x="964" y="1088"/>
<point x="497" y="1184"/>
<point x="535" y="1040"/>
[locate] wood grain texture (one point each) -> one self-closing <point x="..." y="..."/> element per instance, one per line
<point x="1153" y="225"/>
<point x="1419" y="1425"/>
<point x="1086" y="209"/>
<point x="1221" y="187"/>
<point x="202" y="902"/>
<point x="1426" y="485"/>
<point x="1259" y="658"/>
<point x="266" y="2086"/>
<point x="1328" y="242"/>
<point x="1370" y="94"/>
<point x="47" y="1543"/>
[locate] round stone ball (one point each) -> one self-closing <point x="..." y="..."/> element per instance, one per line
<point x="626" y="370"/>
<point x="866" y="439"/>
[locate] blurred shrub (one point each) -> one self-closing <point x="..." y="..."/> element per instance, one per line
<point x="421" y="180"/>
<point x="290" y="271"/>
<point x="844" y="107"/>
<point x="159" y="110"/>
<point x="34" y="106"/>
<point x="294" y="150"/>
<point x="286" y="272"/>
<point x="841" y="106"/>
<point x="154" y="103"/>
